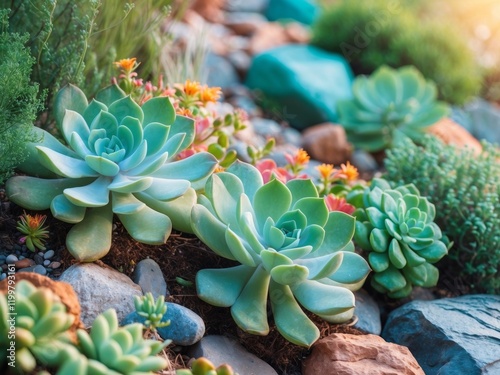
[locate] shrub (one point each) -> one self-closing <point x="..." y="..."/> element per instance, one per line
<point x="18" y="101"/>
<point x="374" y="33"/>
<point x="465" y="190"/>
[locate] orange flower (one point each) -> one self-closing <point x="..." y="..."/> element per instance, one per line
<point x="325" y="170"/>
<point x="348" y="171"/>
<point x="184" y="112"/>
<point x="302" y="157"/>
<point x="210" y="94"/>
<point x="127" y="65"/>
<point x="334" y="203"/>
<point x="191" y="87"/>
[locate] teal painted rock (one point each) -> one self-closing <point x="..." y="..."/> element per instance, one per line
<point x="304" y="11"/>
<point x="303" y="83"/>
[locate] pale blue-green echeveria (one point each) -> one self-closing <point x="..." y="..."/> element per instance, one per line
<point x="291" y="249"/>
<point x="396" y="227"/>
<point x="389" y="105"/>
<point x="119" y="158"/>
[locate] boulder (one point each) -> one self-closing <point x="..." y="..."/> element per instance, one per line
<point x="450" y="336"/>
<point x="99" y="289"/>
<point x="451" y="133"/>
<point x="221" y="349"/>
<point x="346" y="354"/>
<point x="327" y="143"/>
<point x="149" y="277"/>
<point x="304" y="82"/>
<point x="304" y="11"/>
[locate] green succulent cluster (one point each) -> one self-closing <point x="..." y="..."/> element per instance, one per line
<point x="396" y="227"/>
<point x="151" y="310"/>
<point x="113" y="350"/>
<point x="465" y="188"/>
<point x="389" y="106"/>
<point x="39" y="328"/>
<point x="119" y="158"/>
<point x="291" y="248"/>
<point x="203" y="366"/>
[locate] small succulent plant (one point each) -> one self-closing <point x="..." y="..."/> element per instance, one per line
<point x="120" y="158"/>
<point x="34" y="231"/>
<point x="203" y="366"/>
<point x="151" y="310"/>
<point x="388" y="106"/>
<point x="113" y="350"/>
<point x="38" y="330"/>
<point x="291" y="248"/>
<point x="396" y="227"/>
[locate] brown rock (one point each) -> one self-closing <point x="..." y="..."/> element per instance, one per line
<point x="297" y="33"/>
<point x="267" y="36"/>
<point x="244" y="23"/>
<point x="23" y="263"/>
<point x="63" y="290"/>
<point x="211" y="10"/>
<point x="327" y="143"/>
<point x="452" y="133"/>
<point x="345" y="354"/>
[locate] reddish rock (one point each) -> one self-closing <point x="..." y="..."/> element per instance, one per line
<point x="452" y="133"/>
<point x="345" y="354"/>
<point x="267" y="36"/>
<point x="23" y="263"/>
<point x="297" y="33"/>
<point x="63" y="290"/>
<point x="327" y="143"/>
<point x="211" y="10"/>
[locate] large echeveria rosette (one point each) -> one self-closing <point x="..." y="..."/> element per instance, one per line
<point x="119" y="158"/>
<point x="291" y="249"/>
<point x="396" y="227"/>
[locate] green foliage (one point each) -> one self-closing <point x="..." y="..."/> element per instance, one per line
<point x="112" y="350"/>
<point x="39" y="327"/>
<point x="382" y="32"/>
<point x="388" y="106"/>
<point x="291" y="248"/>
<point x="120" y="159"/>
<point x="151" y="310"/>
<point x="396" y="227"/>
<point x="203" y="366"/>
<point x="465" y="190"/>
<point x="18" y="101"/>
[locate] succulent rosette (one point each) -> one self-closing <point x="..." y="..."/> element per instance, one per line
<point x="118" y="158"/>
<point x="396" y="227"/>
<point x="389" y="105"/>
<point x="291" y="249"/>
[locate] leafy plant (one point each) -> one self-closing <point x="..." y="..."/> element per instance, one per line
<point x="110" y="349"/>
<point x="32" y="227"/>
<point x="370" y="34"/>
<point x="151" y="310"/>
<point x="396" y="227"/>
<point x="389" y="105"/>
<point x="203" y="366"/>
<point x="290" y="249"/>
<point x="39" y="331"/>
<point x="465" y="190"/>
<point x="120" y="159"/>
<point x="18" y="102"/>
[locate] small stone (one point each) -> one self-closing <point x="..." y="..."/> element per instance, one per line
<point x="2" y="258"/>
<point x="244" y="23"/>
<point x="367" y="312"/>
<point x="185" y="328"/>
<point x="49" y="254"/>
<point x="23" y="263"/>
<point x="38" y="259"/>
<point x="266" y="37"/>
<point x="149" y="277"/>
<point x="21" y="257"/>
<point x="46" y="262"/>
<point x="364" y="161"/>
<point x="55" y="265"/>
<point x="11" y="258"/>
<point x="3" y="276"/>
<point x="327" y="143"/>
<point x="221" y="349"/>
<point x="40" y="270"/>
<point x="27" y="269"/>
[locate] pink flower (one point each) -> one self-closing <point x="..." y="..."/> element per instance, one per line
<point x="268" y="168"/>
<point x="338" y="204"/>
<point x="202" y="124"/>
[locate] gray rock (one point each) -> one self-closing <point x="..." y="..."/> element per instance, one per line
<point x="368" y="313"/>
<point x="46" y="262"/>
<point x="185" y="328"/>
<point x="150" y="278"/>
<point x="40" y="270"/>
<point x="221" y="349"/>
<point x="55" y="265"/>
<point x="3" y="276"/>
<point x="48" y="254"/>
<point x="244" y="23"/>
<point x="450" y="336"/>
<point x="247" y="104"/>
<point x="246" y="6"/>
<point x="27" y="269"/>
<point x="480" y="118"/>
<point x="38" y="258"/>
<point x="220" y="72"/>
<point x="240" y="60"/>
<point x="11" y="258"/>
<point x="364" y="161"/>
<point x="292" y="136"/>
<point x="267" y="127"/>
<point x="100" y="289"/>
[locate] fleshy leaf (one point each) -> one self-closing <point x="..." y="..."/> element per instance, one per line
<point x="323" y="299"/>
<point x="147" y="226"/>
<point x="126" y="107"/>
<point x="64" y="165"/>
<point x="159" y="110"/>
<point x="62" y="209"/>
<point x="321" y="267"/>
<point x="292" y="274"/>
<point x="69" y="97"/>
<point x="103" y="166"/>
<point x="95" y="194"/>
<point x="271" y="200"/>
